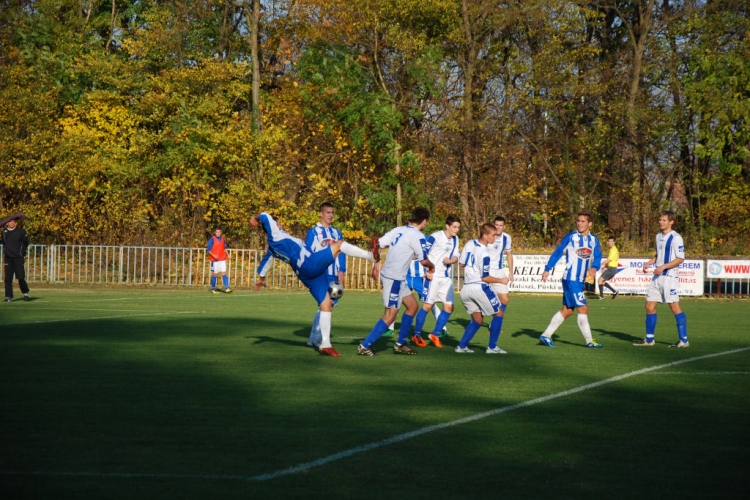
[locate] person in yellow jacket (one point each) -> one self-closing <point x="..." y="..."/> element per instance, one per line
<point x="609" y="266"/>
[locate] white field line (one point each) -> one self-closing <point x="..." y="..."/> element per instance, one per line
<point x="83" y="309"/>
<point x="701" y="373"/>
<point x="102" y="317"/>
<point x="182" y="297"/>
<point x="379" y="444"/>
<point x="479" y="416"/>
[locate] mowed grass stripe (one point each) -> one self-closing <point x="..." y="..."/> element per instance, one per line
<point x="472" y="418"/>
<point x="386" y="442"/>
<point x="99" y="318"/>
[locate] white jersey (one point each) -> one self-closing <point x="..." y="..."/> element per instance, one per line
<point x="497" y="250"/>
<point x="476" y="258"/>
<point x="405" y="244"/>
<point x="668" y="248"/>
<point x="439" y="247"/>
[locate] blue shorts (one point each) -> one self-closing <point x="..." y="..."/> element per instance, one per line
<point x="415" y="284"/>
<point x="314" y="273"/>
<point x="573" y="294"/>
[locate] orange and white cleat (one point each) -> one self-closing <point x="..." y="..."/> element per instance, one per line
<point x="329" y="351"/>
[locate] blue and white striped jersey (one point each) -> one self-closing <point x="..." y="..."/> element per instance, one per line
<point x="581" y="252"/>
<point x="439" y="246"/>
<point x="317" y="239"/>
<point x="281" y="245"/>
<point x="476" y="258"/>
<point x="405" y="243"/>
<point x="497" y="250"/>
<point x="668" y="248"/>
<point x="416" y="269"/>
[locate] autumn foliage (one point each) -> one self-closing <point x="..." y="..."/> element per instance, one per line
<point x="131" y="122"/>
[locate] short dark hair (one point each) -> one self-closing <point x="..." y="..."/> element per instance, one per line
<point x="419" y="215"/>
<point x="612" y="238"/>
<point x="325" y="204"/>
<point x="499" y="218"/>
<point x="586" y="214"/>
<point x="669" y="215"/>
<point x="487" y="228"/>
<point x="217" y="227"/>
<point x="451" y="219"/>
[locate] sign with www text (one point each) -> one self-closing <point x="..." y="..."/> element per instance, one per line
<point x="728" y="269"/>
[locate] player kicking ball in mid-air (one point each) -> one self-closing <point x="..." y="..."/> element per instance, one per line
<point x="583" y="255"/>
<point x="318" y="238"/>
<point x="404" y="244"/>
<point x="310" y="267"/>
<point x="477" y="295"/>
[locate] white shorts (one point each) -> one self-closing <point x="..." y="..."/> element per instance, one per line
<point x="664" y="289"/>
<point x="394" y="292"/>
<point x="218" y="266"/>
<point x="499" y="287"/>
<point x="480" y="298"/>
<point x="440" y="290"/>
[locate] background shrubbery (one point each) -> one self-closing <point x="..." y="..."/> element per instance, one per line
<point x="131" y="122"/>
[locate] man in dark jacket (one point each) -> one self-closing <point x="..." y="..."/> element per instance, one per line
<point x="15" y="242"/>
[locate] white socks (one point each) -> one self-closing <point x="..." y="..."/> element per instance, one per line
<point x="583" y="324"/>
<point x="353" y="251"/>
<point x="554" y="324"/>
<point x="325" y="329"/>
<point x="315" y="336"/>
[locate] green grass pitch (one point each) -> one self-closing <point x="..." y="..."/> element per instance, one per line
<point x="174" y="394"/>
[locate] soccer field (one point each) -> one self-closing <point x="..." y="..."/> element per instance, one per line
<point x="157" y="393"/>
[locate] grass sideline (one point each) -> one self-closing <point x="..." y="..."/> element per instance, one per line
<point x="126" y="393"/>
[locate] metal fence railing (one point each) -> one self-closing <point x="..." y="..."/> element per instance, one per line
<point x="174" y="266"/>
<point x="171" y="266"/>
<point x="727" y="287"/>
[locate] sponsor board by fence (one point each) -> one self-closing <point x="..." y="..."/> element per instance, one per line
<point x="629" y="279"/>
<point x="190" y="267"/>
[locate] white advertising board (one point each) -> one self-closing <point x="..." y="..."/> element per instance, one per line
<point x="629" y="278"/>
<point x="728" y="269"/>
<point x="529" y="268"/>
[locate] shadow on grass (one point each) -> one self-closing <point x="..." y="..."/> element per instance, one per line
<point x="625" y="337"/>
<point x="231" y="397"/>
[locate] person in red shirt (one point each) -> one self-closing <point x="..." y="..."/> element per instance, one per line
<point x="217" y="254"/>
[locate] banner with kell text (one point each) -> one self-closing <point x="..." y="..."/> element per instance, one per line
<point x="629" y="278"/>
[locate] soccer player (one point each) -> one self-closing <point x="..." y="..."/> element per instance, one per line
<point x="217" y="254"/>
<point x="404" y="243"/>
<point x="414" y="280"/>
<point x="583" y="255"/>
<point x="442" y="251"/>
<point x="477" y="295"/>
<point x="310" y="267"/>
<point x="611" y="262"/>
<point x="318" y="238"/>
<point x="665" y="286"/>
<point x="501" y="247"/>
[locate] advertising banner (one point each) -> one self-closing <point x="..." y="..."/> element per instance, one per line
<point x="728" y="269"/>
<point x="528" y="271"/>
<point x="629" y="279"/>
